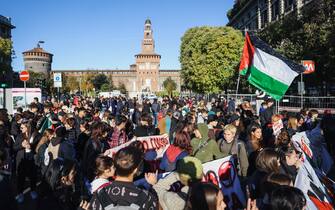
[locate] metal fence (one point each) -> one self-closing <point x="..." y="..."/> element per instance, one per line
<point x="293" y="103"/>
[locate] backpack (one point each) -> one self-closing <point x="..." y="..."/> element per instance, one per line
<point x="235" y="152"/>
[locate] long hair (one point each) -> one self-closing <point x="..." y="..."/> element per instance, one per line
<point x="267" y="161"/>
<point x="183" y="141"/>
<point x="45" y="138"/>
<point x="203" y="196"/>
<point x="26" y="136"/>
<point x="58" y="169"/>
<point x="292" y="123"/>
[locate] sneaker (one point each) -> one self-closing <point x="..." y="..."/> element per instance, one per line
<point x="33" y="195"/>
<point x="20" y="198"/>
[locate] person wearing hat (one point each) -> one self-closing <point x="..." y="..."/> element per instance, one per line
<point x="204" y="148"/>
<point x="189" y="171"/>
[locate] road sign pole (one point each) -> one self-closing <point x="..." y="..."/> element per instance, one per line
<point x="4" y="98"/>
<point x="25" y="95"/>
<point x="58" y="95"/>
<point x="301" y="91"/>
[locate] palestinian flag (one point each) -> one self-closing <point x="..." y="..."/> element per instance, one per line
<point x="268" y="70"/>
<point x="47" y="123"/>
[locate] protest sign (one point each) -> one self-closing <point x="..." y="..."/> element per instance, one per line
<point x="223" y="173"/>
<point x="313" y="149"/>
<point x="276" y="127"/>
<point x="158" y="143"/>
<point x="317" y="194"/>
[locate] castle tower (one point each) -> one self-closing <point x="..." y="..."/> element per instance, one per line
<point x="147" y="63"/>
<point x="37" y="60"/>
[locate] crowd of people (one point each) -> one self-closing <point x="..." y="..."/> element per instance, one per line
<point x="58" y="150"/>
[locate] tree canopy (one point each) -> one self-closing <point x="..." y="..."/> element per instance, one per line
<point x="170" y="85"/>
<point x="308" y="37"/>
<point x="209" y="57"/>
<point x="99" y="80"/>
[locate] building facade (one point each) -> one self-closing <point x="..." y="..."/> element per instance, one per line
<point x="6" y="71"/>
<point x="256" y="14"/>
<point x="37" y="60"/>
<point x="145" y="76"/>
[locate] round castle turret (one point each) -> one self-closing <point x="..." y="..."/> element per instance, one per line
<point x="37" y="60"/>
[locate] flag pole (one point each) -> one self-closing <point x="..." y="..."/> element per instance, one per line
<point x="238" y="79"/>
<point x="238" y="83"/>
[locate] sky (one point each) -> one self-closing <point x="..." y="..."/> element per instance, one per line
<point x="106" y="34"/>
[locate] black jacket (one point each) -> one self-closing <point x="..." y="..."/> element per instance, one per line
<point x="91" y="151"/>
<point x="7" y="200"/>
<point x="20" y="151"/>
<point x="130" y="194"/>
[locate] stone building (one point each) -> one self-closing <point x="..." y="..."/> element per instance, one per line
<point x="145" y="76"/>
<point x="256" y="14"/>
<point x="37" y="60"/>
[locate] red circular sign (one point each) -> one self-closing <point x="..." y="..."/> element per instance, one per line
<point x="24" y="76"/>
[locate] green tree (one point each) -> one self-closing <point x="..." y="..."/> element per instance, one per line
<point x="35" y="79"/>
<point x="122" y="88"/>
<point x="71" y="84"/>
<point x="209" y="57"/>
<point x="99" y="80"/>
<point x="105" y="87"/>
<point x="308" y="37"/>
<point x="6" y="72"/>
<point x="169" y="85"/>
<point x="86" y="83"/>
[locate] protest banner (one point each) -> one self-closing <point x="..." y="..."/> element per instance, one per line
<point x="158" y="143"/>
<point x="317" y="194"/>
<point x="310" y="145"/>
<point x="223" y="173"/>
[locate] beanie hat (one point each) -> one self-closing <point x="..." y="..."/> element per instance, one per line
<point x="190" y="169"/>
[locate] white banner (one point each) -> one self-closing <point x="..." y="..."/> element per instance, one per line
<point x="158" y="143"/>
<point x="318" y="195"/>
<point x="223" y="173"/>
<point x="313" y="149"/>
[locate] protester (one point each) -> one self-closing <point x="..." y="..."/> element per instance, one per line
<point x="180" y="148"/>
<point x="204" y="148"/>
<point x="231" y="145"/>
<point x="6" y="193"/>
<point x="189" y="171"/>
<point x="127" y="165"/>
<point x="24" y="147"/>
<point x="206" y="196"/>
<point x="61" y="177"/>
<point x="289" y="198"/>
<point x="104" y="171"/>
<point x="93" y="148"/>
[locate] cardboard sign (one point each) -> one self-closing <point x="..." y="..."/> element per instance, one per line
<point x="223" y="173"/>
<point x="276" y="127"/>
<point x="158" y="143"/>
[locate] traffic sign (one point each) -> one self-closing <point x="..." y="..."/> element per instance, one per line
<point x="24" y="75"/>
<point x="57" y="79"/>
<point x="309" y="66"/>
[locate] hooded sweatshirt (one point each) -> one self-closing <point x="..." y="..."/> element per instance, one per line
<point x="205" y="149"/>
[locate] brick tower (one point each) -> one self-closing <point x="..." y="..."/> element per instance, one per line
<point x="147" y="63"/>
